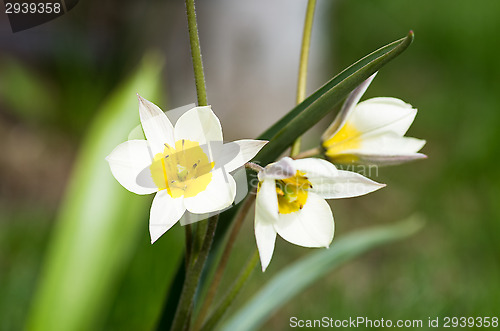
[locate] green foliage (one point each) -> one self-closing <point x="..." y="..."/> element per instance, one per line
<point x="99" y="225"/>
<point x="27" y="93"/>
<point x="300" y="119"/>
<point x="297" y="277"/>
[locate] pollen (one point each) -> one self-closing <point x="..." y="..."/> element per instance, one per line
<point x="182" y="170"/>
<point x="292" y="193"/>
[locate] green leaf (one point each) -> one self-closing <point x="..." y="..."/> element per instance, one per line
<point x="100" y="223"/>
<point x="26" y="93"/>
<point x="294" y="279"/>
<point x="283" y="133"/>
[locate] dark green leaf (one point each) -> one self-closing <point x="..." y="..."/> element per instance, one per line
<point x="282" y="134"/>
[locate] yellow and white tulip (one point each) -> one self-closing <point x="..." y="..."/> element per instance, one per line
<point x="372" y="131"/>
<point x="291" y="202"/>
<point x="187" y="165"/>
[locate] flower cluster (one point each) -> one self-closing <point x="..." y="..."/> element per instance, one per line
<point x="189" y="167"/>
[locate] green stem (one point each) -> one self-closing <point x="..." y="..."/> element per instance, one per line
<point x="304" y="60"/>
<point x="309" y="153"/>
<point x="197" y="259"/>
<point x="199" y="237"/>
<point x="232" y="293"/>
<point x="185" y="305"/>
<point x="189" y="244"/>
<point x="194" y="40"/>
<point x="238" y="222"/>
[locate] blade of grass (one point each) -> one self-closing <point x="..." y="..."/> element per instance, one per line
<point x="99" y="223"/>
<point x="294" y="279"/>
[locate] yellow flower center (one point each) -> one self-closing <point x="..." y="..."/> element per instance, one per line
<point x="182" y="170"/>
<point x="347" y="138"/>
<point x="292" y="193"/>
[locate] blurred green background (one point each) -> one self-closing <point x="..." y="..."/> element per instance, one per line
<point x="56" y="77"/>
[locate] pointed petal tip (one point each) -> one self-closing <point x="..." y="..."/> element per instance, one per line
<point x="155" y="237"/>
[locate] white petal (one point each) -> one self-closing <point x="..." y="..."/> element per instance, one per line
<point x="199" y="124"/>
<point x="312" y="226"/>
<point x="284" y="168"/>
<point x="190" y="218"/>
<point x="382" y="115"/>
<point x="219" y="194"/>
<point x="165" y="212"/>
<point x="346" y="184"/>
<point x="157" y="128"/>
<point x="347" y="107"/>
<point x="390" y="144"/>
<point x="266" y="214"/>
<point x="331" y="183"/>
<point x="316" y="168"/>
<point x="127" y="161"/>
<point x="265" y="236"/>
<point x="236" y="153"/>
<point x="382" y="149"/>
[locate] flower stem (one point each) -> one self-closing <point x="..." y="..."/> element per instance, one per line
<point x="238" y="222"/>
<point x="196" y="260"/>
<point x="304" y="60"/>
<point x="189" y="244"/>
<point x="309" y="153"/>
<point x="194" y="40"/>
<point x="232" y="293"/>
<point x="253" y="166"/>
<point x="185" y="305"/>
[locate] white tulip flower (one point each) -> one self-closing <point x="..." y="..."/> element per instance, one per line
<point x="372" y="131"/>
<point x="291" y="202"/>
<point x="187" y="165"/>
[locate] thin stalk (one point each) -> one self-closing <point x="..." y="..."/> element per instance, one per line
<point x="199" y="237"/>
<point x="197" y="258"/>
<point x="303" y="64"/>
<point x="253" y="166"/>
<point x="232" y="293"/>
<point x="309" y="153"/>
<point x="189" y="244"/>
<point x="238" y="222"/>
<point x="194" y="41"/>
<point x="185" y="305"/>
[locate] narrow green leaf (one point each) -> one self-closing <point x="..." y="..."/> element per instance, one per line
<point x="99" y="224"/>
<point x="315" y="107"/>
<point x="294" y="279"/>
